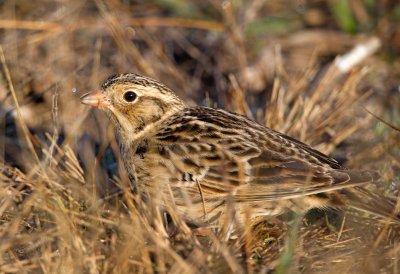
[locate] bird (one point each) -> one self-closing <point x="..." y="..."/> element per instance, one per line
<point x="209" y="163"/>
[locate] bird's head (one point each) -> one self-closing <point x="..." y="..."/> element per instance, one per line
<point x="134" y="102"/>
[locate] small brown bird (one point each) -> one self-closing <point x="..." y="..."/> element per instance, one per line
<point x="206" y="162"/>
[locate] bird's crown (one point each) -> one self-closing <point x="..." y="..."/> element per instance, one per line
<point x="136" y="79"/>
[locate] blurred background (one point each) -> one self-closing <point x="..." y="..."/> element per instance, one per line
<point x="273" y="61"/>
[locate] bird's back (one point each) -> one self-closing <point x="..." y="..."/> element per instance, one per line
<point x="207" y="158"/>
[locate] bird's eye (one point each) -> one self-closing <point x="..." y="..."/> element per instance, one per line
<point x="130" y="96"/>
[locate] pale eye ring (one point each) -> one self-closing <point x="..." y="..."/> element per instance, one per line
<point x="130" y="96"/>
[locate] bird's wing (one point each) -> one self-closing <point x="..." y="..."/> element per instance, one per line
<point x="227" y="153"/>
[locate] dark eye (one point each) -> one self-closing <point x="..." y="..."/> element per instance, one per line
<point x="130" y="96"/>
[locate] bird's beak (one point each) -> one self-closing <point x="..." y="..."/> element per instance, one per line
<point x="95" y="99"/>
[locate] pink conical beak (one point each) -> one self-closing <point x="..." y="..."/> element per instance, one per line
<point x="95" y="99"/>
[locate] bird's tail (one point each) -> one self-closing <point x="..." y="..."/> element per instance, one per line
<point x="375" y="204"/>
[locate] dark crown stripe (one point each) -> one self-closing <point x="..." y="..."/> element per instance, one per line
<point x="135" y="79"/>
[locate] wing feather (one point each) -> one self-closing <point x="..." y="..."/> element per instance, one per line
<point x="252" y="163"/>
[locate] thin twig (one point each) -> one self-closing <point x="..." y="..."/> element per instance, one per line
<point x="134" y="22"/>
<point x="382" y="120"/>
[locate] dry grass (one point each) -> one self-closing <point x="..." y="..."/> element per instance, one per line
<point x="65" y="202"/>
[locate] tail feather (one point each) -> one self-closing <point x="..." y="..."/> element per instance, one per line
<point x="361" y="199"/>
<point x="372" y="203"/>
